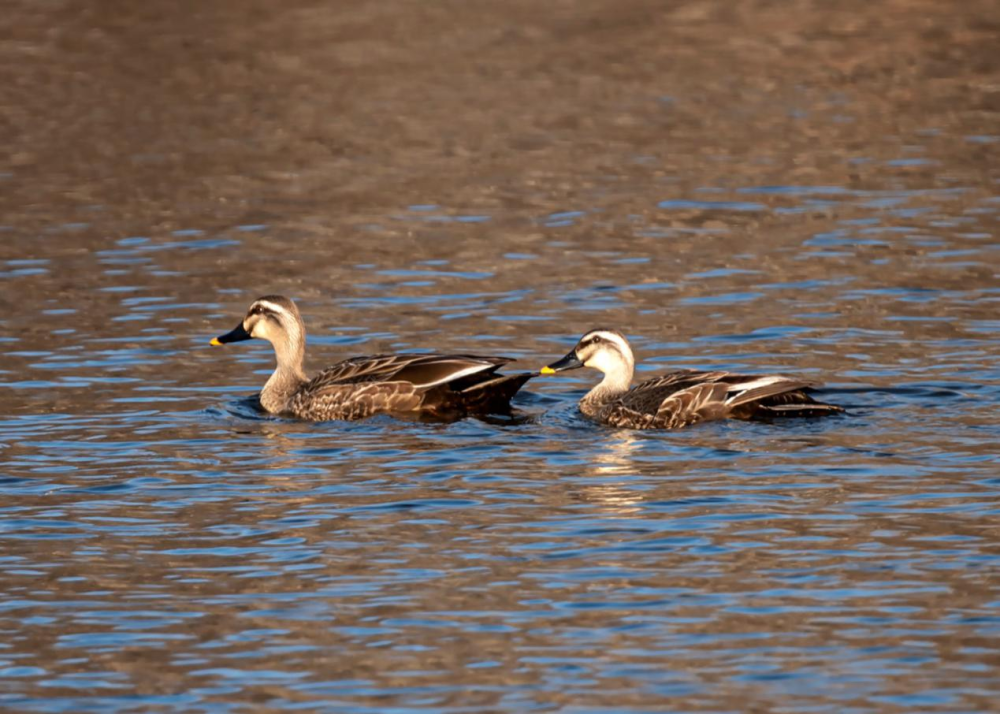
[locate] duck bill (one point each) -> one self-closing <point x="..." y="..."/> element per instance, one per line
<point x="570" y="361"/>
<point x="236" y="335"/>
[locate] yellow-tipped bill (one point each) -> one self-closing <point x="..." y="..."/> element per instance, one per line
<point x="570" y="361"/>
<point x="237" y="334"/>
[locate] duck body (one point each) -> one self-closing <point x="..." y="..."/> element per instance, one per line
<point x="678" y="399"/>
<point x="437" y="385"/>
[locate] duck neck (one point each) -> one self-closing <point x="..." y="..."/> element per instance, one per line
<point x="288" y="376"/>
<point x="614" y="385"/>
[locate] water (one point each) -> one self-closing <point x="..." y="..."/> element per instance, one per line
<point x="793" y="188"/>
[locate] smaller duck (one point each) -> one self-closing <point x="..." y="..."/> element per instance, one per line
<point x="678" y="399"/>
<point x="438" y="385"/>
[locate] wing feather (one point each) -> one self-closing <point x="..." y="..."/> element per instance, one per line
<point x="693" y="404"/>
<point x="755" y="389"/>
<point x="675" y="381"/>
<point x="421" y="371"/>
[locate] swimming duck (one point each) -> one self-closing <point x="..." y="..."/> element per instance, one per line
<point x="679" y="398"/>
<point x="433" y="384"/>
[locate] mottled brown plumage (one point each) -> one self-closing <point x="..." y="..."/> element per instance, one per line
<point x="680" y="398"/>
<point x="439" y="385"/>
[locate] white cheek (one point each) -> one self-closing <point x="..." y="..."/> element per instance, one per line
<point x="601" y="361"/>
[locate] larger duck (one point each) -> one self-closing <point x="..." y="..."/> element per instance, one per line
<point x="439" y="385"/>
<point x="680" y="398"/>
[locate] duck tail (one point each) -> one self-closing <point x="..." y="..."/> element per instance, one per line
<point x="804" y="409"/>
<point x="777" y="397"/>
<point x="492" y="396"/>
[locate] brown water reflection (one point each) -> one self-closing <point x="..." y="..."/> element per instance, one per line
<point x="796" y="186"/>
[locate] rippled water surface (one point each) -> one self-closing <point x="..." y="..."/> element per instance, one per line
<point x="756" y="186"/>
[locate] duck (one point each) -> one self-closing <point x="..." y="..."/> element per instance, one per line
<point x="442" y="386"/>
<point x="682" y="398"/>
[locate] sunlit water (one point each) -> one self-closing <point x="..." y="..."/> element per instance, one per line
<point x="165" y="547"/>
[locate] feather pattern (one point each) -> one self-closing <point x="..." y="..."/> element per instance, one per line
<point x="420" y="370"/>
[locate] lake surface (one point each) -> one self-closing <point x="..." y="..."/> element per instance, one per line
<point x="793" y="187"/>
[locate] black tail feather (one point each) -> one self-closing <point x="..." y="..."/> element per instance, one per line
<point x="787" y="404"/>
<point x="816" y="409"/>
<point x="493" y="396"/>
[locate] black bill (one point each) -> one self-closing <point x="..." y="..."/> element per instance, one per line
<point x="236" y="335"/>
<point x="570" y="361"/>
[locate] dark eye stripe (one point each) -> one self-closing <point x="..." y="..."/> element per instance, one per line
<point x="261" y="310"/>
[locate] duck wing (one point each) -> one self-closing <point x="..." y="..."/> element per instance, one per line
<point x="671" y="382"/>
<point x="745" y="389"/>
<point x="773" y="396"/>
<point x="421" y="371"/>
<point x="740" y="388"/>
<point x="681" y="398"/>
<point x="457" y="371"/>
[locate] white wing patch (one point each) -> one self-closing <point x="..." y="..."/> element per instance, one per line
<point x="762" y="382"/>
<point x="736" y="390"/>
<point x="452" y="376"/>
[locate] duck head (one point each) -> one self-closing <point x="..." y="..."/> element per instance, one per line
<point x="276" y="319"/>
<point x="605" y="350"/>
